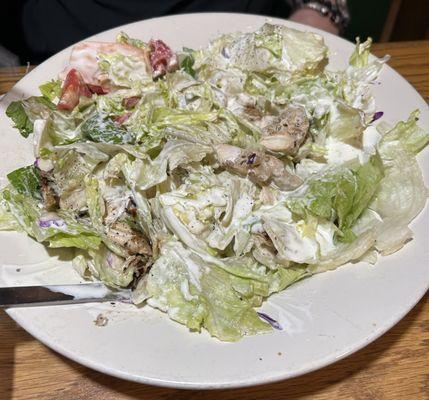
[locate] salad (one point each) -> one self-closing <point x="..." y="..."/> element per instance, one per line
<point x="207" y="180"/>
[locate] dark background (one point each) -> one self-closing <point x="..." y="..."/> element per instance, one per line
<point x="22" y="31"/>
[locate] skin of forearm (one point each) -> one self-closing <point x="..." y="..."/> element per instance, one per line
<point x="313" y="18"/>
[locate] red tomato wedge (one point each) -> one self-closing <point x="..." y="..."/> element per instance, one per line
<point x="162" y="58"/>
<point x="120" y="119"/>
<point x="130" y="102"/>
<point x="73" y="88"/>
<point x="97" y="89"/>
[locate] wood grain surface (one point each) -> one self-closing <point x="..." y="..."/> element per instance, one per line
<point x="396" y="366"/>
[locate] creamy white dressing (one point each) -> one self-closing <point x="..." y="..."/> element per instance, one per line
<point x="39" y="139"/>
<point x="371" y="138"/>
<point x="184" y="288"/>
<point x="325" y="237"/>
<point x="81" y="292"/>
<point x="339" y="152"/>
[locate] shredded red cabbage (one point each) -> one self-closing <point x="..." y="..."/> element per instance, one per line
<point x="377" y="116"/>
<point x="270" y="320"/>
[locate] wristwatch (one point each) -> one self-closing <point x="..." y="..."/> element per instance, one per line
<point x="336" y="10"/>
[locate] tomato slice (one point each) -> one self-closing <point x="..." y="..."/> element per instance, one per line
<point x="72" y="89"/>
<point x="120" y="119"/>
<point x="97" y="89"/>
<point x="130" y="102"/>
<point x="162" y="58"/>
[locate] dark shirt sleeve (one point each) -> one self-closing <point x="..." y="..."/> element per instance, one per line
<point x="51" y="25"/>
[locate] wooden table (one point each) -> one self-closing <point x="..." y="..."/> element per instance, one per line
<point x="396" y="366"/>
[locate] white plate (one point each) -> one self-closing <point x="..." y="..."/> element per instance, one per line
<point x="325" y="317"/>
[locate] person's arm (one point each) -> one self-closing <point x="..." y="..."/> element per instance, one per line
<point x="329" y="15"/>
<point x="313" y="18"/>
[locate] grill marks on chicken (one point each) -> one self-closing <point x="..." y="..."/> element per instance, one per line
<point x="133" y="241"/>
<point x="287" y="131"/>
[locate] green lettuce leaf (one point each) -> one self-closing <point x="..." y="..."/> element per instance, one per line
<point x="26" y="181"/>
<point x="24" y="112"/>
<point x="51" y="89"/>
<point x="339" y="195"/>
<point x="124" y="38"/>
<point x="16" y="112"/>
<point x="98" y="128"/>
<point x="188" y="61"/>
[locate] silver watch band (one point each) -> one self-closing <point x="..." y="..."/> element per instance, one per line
<point x="336" y="10"/>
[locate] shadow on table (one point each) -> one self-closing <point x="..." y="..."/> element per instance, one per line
<point x="11" y="335"/>
<point x="308" y="385"/>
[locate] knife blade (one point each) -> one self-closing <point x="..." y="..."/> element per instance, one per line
<point x="25" y="296"/>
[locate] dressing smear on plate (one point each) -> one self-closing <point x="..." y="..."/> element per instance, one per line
<point x="209" y="179"/>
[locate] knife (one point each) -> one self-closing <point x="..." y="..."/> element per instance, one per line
<point x="25" y="296"/>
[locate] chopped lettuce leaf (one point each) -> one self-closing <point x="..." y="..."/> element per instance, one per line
<point x="7" y="221"/>
<point x="188" y="61"/>
<point x="26" y="181"/>
<point x="51" y="89"/>
<point x="402" y="194"/>
<point x="359" y="57"/>
<point x="125" y="71"/>
<point x="98" y="128"/>
<point x="24" y="112"/>
<point x="198" y="294"/>
<point x="16" y="112"/>
<point x="124" y="38"/>
<point x="339" y="195"/>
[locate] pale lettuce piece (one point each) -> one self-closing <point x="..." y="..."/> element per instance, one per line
<point x="365" y="233"/>
<point x="102" y="151"/>
<point x="302" y="241"/>
<point x="7" y="221"/>
<point x="198" y="290"/>
<point x="110" y="268"/>
<point x="125" y="71"/>
<point x="181" y="152"/>
<point x="198" y="294"/>
<point x="186" y="93"/>
<point x="358" y="77"/>
<point x="406" y="135"/>
<point x="51" y="89"/>
<point x="272" y="48"/>
<point x="403" y="194"/>
<point x="96" y="206"/>
<point x="142" y="174"/>
<point x="122" y="37"/>
<point x="346" y="124"/>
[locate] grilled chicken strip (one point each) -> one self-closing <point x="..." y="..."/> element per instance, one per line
<point x="261" y="168"/>
<point x="287" y="131"/>
<point x="131" y="240"/>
